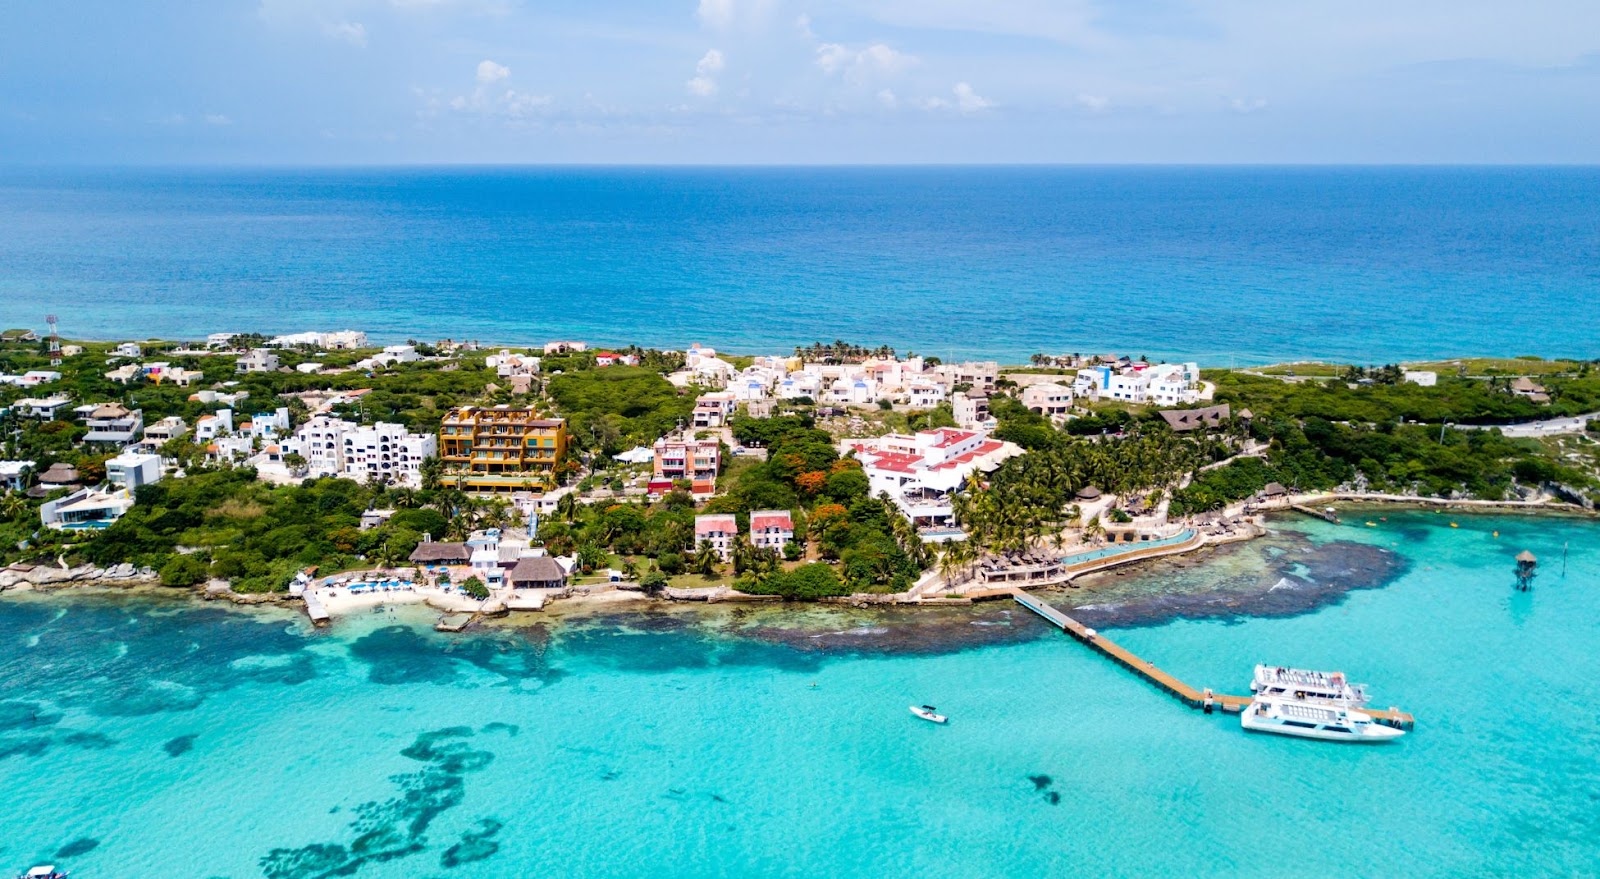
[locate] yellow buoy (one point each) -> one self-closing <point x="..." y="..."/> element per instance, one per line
<point x="1454" y="525"/>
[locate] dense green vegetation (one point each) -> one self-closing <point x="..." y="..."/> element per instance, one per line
<point x="1457" y="400"/>
<point x="614" y="409"/>
<point x="227" y="524"/>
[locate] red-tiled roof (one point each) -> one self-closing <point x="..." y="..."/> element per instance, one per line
<point x="949" y="437"/>
<point x="986" y="448"/>
<point x="723" y="522"/>
<point x="762" y="521"/>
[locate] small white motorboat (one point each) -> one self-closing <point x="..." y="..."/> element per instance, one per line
<point x="927" y="712"/>
<point x="1309" y="720"/>
<point x="45" y="872"/>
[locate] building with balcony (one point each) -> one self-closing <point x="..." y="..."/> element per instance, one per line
<point x="500" y="449"/>
<point x="720" y="530"/>
<point x="114" y="425"/>
<point x="771" y="529"/>
<point x="386" y="453"/>
<point x="921" y="473"/>
<point x="688" y="457"/>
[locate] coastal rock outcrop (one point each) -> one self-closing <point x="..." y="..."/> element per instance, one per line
<point x="51" y="575"/>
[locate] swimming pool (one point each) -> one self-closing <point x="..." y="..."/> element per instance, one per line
<point x="1104" y="552"/>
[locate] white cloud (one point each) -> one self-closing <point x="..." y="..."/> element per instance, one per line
<point x="1241" y="105"/>
<point x="710" y="63"/>
<point x="704" y="83"/>
<point x="217" y="119"/>
<point x="887" y="98"/>
<point x="969" y="101"/>
<point x="1094" y="103"/>
<point x="966" y="101"/>
<point x="488" y="71"/>
<point x="802" y="23"/>
<point x="352" y="32"/>
<point x="857" y="65"/>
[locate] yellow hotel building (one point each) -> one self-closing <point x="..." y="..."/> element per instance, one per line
<point x="500" y="449"/>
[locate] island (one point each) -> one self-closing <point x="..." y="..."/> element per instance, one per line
<point x="485" y="480"/>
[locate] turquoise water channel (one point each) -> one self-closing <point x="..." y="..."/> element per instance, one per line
<point x="148" y="737"/>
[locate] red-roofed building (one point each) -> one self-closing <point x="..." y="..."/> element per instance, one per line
<point x="920" y="473"/>
<point x="771" y="529"/>
<point x="611" y="358"/>
<point x="718" y="529"/>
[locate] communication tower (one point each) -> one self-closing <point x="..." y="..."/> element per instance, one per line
<point x="55" y="341"/>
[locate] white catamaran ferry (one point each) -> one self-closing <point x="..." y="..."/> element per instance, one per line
<point x="1328" y="687"/>
<point x="1310" y="720"/>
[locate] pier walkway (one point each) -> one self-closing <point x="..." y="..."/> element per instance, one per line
<point x="1204" y="699"/>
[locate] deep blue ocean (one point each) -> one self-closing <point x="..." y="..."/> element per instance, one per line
<point x="1221" y="264"/>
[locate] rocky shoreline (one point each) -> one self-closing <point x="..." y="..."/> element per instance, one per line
<point x="48" y="576"/>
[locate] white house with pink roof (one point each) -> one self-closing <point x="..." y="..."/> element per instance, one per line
<point x="718" y="529"/>
<point x="771" y="529"/>
<point x="921" y="472"/>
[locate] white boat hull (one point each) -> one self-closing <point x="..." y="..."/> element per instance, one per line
<point x="1353" y="727"/>
<point x="927" y="715"/>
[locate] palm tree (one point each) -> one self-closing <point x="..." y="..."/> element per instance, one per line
<point x="706" y="559"/>
<point x="567" y="507"/>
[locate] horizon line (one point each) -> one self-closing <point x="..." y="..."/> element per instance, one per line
<point x="756" y="165"/>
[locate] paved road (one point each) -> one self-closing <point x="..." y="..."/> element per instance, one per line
<point x="1549" y="427"/>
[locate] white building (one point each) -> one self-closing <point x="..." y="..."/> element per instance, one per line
<point x="852" y="391"/>
<point x="227" y="399"/>
<point x="165" y="430"/>
<point x="697" y="353"/>
<point x="259" y="360"/>
<point x="382" y="451"/>
<point x="1421" y="377"/>
<point x="267" y="425"/>
<point x="800" y="384"/>
<point x="771" y="529"/>
<point x="45" y="409"/>
<point x="114" y="424"/>
<point x="971" y="410"/>
<point x="209" y="427"/>
<point x="130" y="470"/>
<point x="128" y="349"/>
<point x="979" y="374"/>
<point x="321" y="442"/>
<point x="342" y="340"/>
<point x="1166" y="384"/>
<point x="35" y="377"/>
<point x="388" y="453"/>
<point x="507" y="364"/>
<point x="14" y="475"/>
<point x="85" y="508"/>
<point x="921" y="473"/>
<point x="714" y="409"/>
<point x="718" y="529"/>
<point x="922" y="393"/>
<point x="1048" y="399"/>
<point x="220" y="340"/>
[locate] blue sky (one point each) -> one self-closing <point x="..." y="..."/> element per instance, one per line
<point x="798" y="81"/>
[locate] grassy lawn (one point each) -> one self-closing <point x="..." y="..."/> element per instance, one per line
<point x="1500" y="366"/>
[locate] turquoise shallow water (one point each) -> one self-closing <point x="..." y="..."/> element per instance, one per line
<point x="666" y="748"/>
